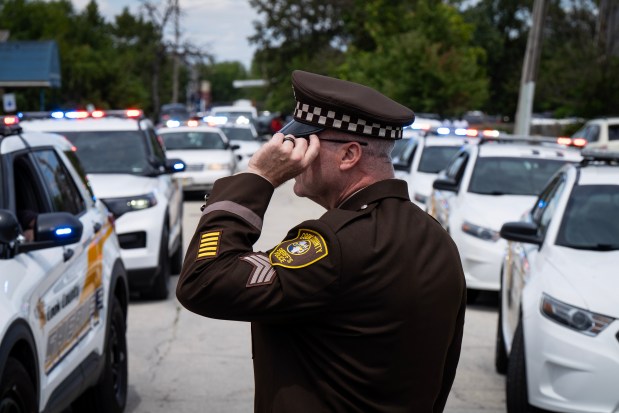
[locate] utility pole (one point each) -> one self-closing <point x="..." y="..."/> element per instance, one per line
<point x="176" y="62"/>
<point x="529" y="71"/>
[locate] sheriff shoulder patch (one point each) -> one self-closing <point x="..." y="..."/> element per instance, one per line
<point x="307" y="248"/>
<point x="209" y="245"/>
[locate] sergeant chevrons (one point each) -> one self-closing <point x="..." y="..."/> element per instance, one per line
<point x="361" y="310"/>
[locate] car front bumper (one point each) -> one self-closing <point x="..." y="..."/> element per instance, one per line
<point x="568" y="371"/>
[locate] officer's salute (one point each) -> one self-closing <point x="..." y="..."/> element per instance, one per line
<point x="361" y="310"/>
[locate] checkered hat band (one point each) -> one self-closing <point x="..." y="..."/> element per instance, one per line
<point x="331" y="119"/>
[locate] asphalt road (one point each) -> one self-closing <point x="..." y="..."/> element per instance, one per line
<point x="185" y="363"/>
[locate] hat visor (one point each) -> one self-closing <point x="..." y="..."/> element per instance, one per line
<point x="300" y="129"/>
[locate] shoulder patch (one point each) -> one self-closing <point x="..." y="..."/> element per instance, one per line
<point x="307" y="248"/>
<point x="209" y="245"/>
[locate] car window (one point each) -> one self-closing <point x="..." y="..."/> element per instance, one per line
<point x="591" y="133"/>
<point x="613" y="132"/>
<point x="193" y="140"/>
<point x="403" y="152"/>
<point x="29" y="193"/>
<point x="512" y="176"/>
<point x="590" y="220"/>
<point x="64" y="194"/>
<point x="455" y="169"/>
<point x="238" y="134"/>
<point x="157" y="146"/>
<point x="111" y="151"/>
<point x="549" y="205"/>
<point x="79" y="168"/>
<point x="435" y="158"/>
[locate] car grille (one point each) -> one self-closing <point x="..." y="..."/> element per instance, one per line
<point x="194" y="167"/>
<point x="132" y="240"/>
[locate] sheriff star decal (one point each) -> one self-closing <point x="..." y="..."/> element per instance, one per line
<point x="307" y="248"/>
<point x="209" y="245"/>
<point x="263" y="273"/>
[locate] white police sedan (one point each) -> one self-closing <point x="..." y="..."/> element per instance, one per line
<point x="558" y="328"/>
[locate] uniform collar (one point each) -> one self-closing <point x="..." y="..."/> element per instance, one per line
<point x="388" y="188"/>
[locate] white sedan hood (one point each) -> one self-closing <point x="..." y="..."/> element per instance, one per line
<point x="591" y="274"/>
<point x="192" y="157"/>
<point x="247" y="148"/>
<point x="120" y="185"/>
<point x="493" y="211"/>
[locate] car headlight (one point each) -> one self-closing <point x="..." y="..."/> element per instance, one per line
<point x="575" y="318"/>
<point x="486" y="234"/>
<point x="217" y="166"/>
<point x="120" y="206"/>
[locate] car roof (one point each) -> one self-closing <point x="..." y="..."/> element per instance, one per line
<point x="202" y="128"/>
<point x="447" y="140"/>
<point x="77" y="125"/>
<point x="527" y="150"/>
<point x="13" y="143"/>
<point x="599" y="175"/>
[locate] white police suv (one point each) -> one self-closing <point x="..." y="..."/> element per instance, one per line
<point x="206" y="152"/>
<point x="63" y="286"/>
<point x="558" y="328"/>
<point x="485" y="185"/>
<point x="128" y="169"/>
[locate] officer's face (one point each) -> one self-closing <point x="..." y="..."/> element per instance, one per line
<point x="318" y="181"/>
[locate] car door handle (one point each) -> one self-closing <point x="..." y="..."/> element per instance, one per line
<point x="97" y="226"/>
<point x="67" y="254"/>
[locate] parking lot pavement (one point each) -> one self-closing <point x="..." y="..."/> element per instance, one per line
<point x="477" y="387"/>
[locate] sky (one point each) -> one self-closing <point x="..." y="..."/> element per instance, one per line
<point x="219" y="26"/>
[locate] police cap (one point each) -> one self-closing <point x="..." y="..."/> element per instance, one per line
<point x="325" y="102"/>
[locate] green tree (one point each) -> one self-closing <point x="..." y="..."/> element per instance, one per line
<point x="501" y="29"/>
<point x="221" y="75"/>
<point x="422" y="57"/>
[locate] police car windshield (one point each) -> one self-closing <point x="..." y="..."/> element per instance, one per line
<point x="435" y="158"/>
<point x="238" y="134"/>
<point x="590" y="219"/>
<point x="122" y="152"/>
<point x="194" y="140"/>
<point x="512" y="176"/>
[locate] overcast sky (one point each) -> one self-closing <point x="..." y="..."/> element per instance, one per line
<point x="219" y="26"/>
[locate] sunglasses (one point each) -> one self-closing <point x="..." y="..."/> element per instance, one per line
<point x="335" y="140"/>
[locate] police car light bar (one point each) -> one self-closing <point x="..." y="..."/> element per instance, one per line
<point x="82" y="114"/>
<point x="599" y="156"/>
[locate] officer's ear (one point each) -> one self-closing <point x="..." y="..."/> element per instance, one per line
<point x="350" y="155"/>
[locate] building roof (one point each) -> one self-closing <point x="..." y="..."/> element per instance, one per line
<point x="29" y="64"/>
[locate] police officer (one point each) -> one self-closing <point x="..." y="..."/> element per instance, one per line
<point x="361" y="310"/>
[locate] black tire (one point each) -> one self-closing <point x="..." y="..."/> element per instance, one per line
<point x="471" y="295"/>
<point x="176" y="263"/>
<point x="17" y="392"/>
<point x="500" y="354"/>
<point x="109" y="395"/>
<point x="159" y="290"/>
<point x="516" y="393"/>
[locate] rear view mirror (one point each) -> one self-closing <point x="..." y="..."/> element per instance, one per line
<point x="9" y="227"/>
<point x="54" y="229"/>
<point x="526" y="232"/>
<point x="174" y="165"/>
<point x="445" y="184"/>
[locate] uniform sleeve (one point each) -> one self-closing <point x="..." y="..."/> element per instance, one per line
<point x="222" y="277"/>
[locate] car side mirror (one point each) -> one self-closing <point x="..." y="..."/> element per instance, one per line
<point x="235" y="147"/>
<point x="445" y="184"/>
<point x="54" y="229"/>
<point x="400" y="166"/>
<point x="174" y="165"/>
<point x="526" y="232"/>
<point x="9" y="227"/>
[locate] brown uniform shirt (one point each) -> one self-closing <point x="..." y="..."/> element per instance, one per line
<point x="361" y="310"/>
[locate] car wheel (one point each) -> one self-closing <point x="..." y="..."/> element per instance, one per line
<point x="159" y="289"/>
<point x="471" y="295"/>
<point x="109" y="395"/>
<point x="17" y="392"/>
<point x="177" y="258"/>
<point x="517" y="394"/>
<point x="500" y="354"/>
